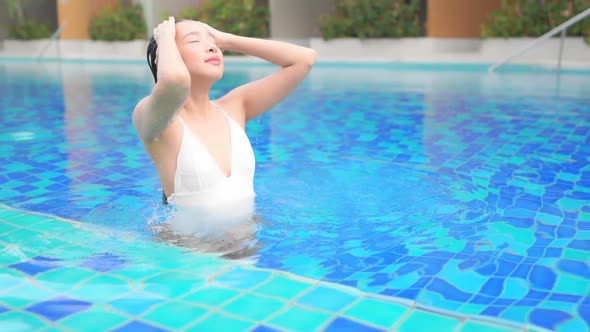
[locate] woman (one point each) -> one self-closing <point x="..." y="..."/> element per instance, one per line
<point x="199" y="147"/>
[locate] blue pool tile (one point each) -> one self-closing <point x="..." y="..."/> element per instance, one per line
<point x="37" y="265"/>
<point x="104" y="262"/>
<point x="487" y="270"/>
<point x="505" y="268"/>
<point x="493" y="287"/>
<point x="135" y="325"/>
<point x="3" y="309"/>
<point x="565" y="298"/>
<point x="346" y="325"/>
<point x="480" y="299"/>
<point x="447" y="290"/>
<point x="565" y="232"/>
<point x="553" y="252"/>
<point x="58" y="308"/>
<point x="548" y="318"/>
<point x="584" y="311"/>
<point x="542" y="277"/>
<point x="326" y="298"/>
<point x="493" y="310"/>
<point x="407" y="293"/>
<point x="578" y="268"/>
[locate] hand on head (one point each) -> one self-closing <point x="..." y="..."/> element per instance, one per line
<point x="166" y="29"/>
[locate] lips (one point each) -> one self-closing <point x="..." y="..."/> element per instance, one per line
<point x="213" y="59"/>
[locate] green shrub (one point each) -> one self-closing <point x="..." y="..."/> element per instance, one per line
<point x="29" y="29"/>
<point x="533" y="18"/>
<point x="373" y="19"/>
<point x="241" y="17"/>
<point x="121" y="23"/>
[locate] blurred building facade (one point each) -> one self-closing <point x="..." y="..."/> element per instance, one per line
<point x="290" y="20"/>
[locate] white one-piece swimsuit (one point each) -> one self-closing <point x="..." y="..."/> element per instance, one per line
<point x="201" y="187"/>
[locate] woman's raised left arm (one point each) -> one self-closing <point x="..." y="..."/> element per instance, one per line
<point x="259" y="96"/>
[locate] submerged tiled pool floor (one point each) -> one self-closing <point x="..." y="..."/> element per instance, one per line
<point x="166" y="289"/>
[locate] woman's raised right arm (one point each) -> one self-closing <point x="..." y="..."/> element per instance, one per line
<point x="155" y="112"/>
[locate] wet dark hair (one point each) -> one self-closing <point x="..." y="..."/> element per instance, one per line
<point x="152" y="50"/>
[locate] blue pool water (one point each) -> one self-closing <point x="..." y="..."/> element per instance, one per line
<point x="443" y="185"/>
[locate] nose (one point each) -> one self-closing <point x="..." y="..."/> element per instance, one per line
<point x="212" y="49"/>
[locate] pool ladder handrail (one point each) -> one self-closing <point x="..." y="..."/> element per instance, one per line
<point x="52" y="39"/>
<point x="561" y="28"/>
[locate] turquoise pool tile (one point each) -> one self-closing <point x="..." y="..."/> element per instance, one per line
<point x="283" y="287"/>
<point x="515" y="288"/>
<point x="24" y="295"/>
<point x="23" y="236"/>
<point x="6" y="227"/>
<point x="52" y="227"/>
<point x="242" y="278"/>
<point x="174" y="315"/>
<point x="573" y="254"/>
<point x="10" y="278"/>
<point x="101" y="289"/>
<point x="63" y="279"/>
<point x="48" y="245"/>
<point x="13" y="254"/>
<point x="137" y="272"/>
<point x="377" y="312"/>
<point x="6" y="214"/>
<point x="135" y="303"/>
<point x="326" y="298"/>
<point x="20" y="321"/>
<point x="218" y="322"/>
<point x="211" y="296"/>
<point x="173" y="284"/>
<point x="299" y="319"/>
<point x="30" y="220"/>
<point x="253" y="307"/>
<point x="471" y="326"/>
<point x="419" y="320"/>
<point x="101" y="318"/>
<point x="515" y="313"/>
<point x="73" y="252"/>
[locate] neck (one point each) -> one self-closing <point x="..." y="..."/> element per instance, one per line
<point x="198" y="101"/>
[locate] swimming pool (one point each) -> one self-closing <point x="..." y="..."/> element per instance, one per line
<point x="391" y="197"/>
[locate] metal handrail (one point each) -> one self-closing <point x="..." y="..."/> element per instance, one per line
<point x="561" y="28"/>
<point x="52" y="39"/>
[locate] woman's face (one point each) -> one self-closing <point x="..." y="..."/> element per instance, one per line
<point x="198" y="50"/>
